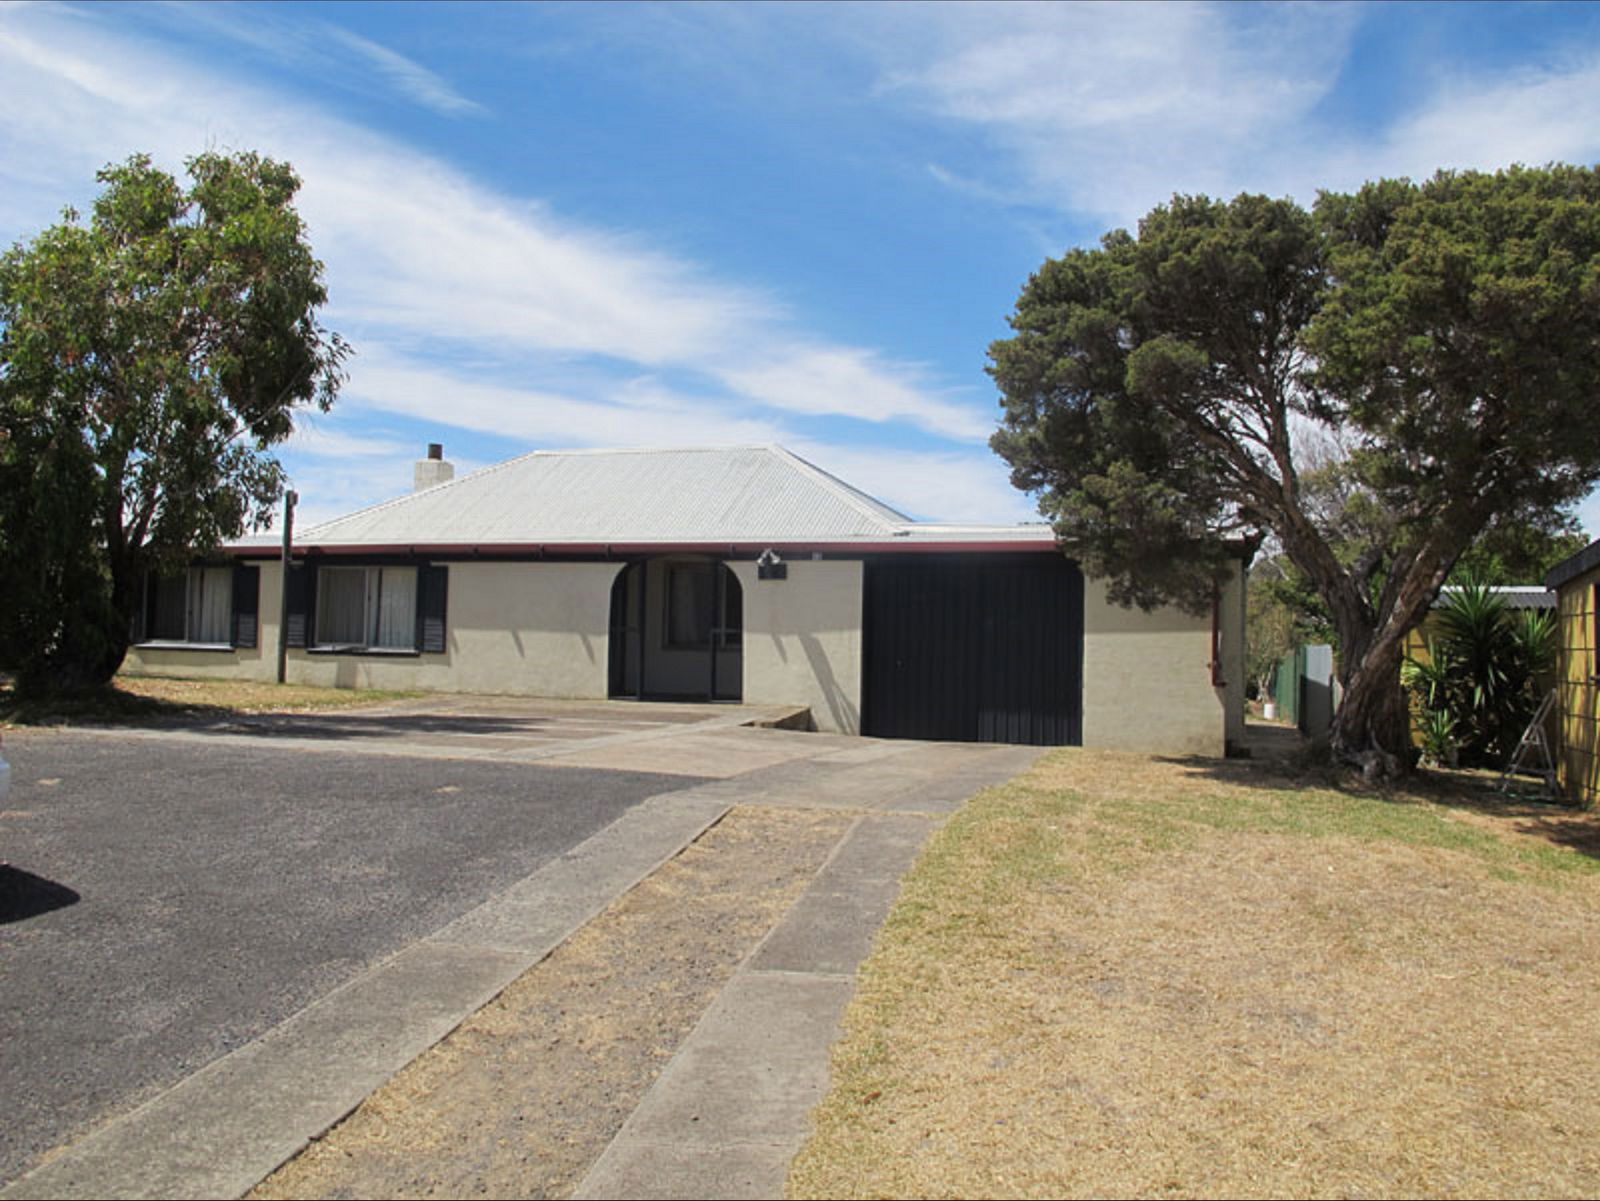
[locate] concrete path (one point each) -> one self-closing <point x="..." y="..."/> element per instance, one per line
<point x="733" y="1107"/>
<point x="729" y="1111"/>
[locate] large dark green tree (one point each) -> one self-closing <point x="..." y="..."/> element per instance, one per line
<point x="1162" y="391"/>
<point x="150" y="358"/>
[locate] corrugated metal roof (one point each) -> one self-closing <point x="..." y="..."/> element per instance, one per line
<point x="747" y="494"/>
<point x="1564" y="572"/>
<point x="1513" y="596"/>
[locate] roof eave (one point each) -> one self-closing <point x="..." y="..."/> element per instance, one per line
<point x="906" y="545"/>
<point x="1570" y="569"/>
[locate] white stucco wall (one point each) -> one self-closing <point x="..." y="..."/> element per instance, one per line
<point x="536" y="629"/>
<point x="802" y="640"/>
<point x="542" y="629"/>
<point x="1147" y="679"/>
<point x="258" y="663"/>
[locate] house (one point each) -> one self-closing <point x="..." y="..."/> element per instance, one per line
<point x="1576" y="583"/>
<point x="742" y="574"/>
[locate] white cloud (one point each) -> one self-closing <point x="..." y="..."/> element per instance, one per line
<point x="310" y="44"/>
<point x="315" y="436"/>
<point x="408" y="77"/>
<point x="413" y="247"/>
<point x="410" y="244"/>
<point x="953" y="486"/>
<point x="1107" y="109"/>
<point x="1531" y="117"/>
<point x="420" y="255"/>
<point x="632" y="414"/>
<point x="854" y="383"/>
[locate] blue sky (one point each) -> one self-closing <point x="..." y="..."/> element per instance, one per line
<point x="624" y="224"/>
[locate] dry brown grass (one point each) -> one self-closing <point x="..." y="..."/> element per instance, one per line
<point x="246" y="696"/>
<point x="1125" y="977"/>
<point x="524" y="1096"/>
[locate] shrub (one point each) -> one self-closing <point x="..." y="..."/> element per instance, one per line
<point x="1486" y="669"/>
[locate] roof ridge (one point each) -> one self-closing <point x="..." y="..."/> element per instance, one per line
<point x="699" y="448"/>
<point x="850" y="494"/>
<point x="431" y="490"/>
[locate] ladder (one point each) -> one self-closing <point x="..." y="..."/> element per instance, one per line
<point x="1533" y="753"/>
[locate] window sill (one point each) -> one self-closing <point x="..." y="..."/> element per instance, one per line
<point x="173" y="644"/>
<point x="389" y="652"/>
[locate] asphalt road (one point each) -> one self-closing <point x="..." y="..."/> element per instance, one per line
<point x="163" y="902"/>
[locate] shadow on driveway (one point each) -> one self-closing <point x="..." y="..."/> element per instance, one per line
<point x="378" y="726"/>
<point x="24" y="895"/>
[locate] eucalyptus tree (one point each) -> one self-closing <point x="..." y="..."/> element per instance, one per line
<point x="151" y="356"/>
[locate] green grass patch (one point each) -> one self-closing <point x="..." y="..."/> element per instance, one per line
<point x="1122" y="828"/>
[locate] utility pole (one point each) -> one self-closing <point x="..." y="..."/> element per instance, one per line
<point x="290" y="499"/>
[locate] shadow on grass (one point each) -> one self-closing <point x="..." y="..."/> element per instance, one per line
<point x="1277" y="758"/>
<point x="1312" y="768"/>
<point x="1517" y="812"/>
<point x="101" y="706"/>
<point x="114" y="706"/>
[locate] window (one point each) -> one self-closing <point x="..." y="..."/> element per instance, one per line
<point x="383" y="607"/>
<point x="196" y="606"/>
<point x="202" y="606"/>
<point x="367" y="608"/>
<point x="697" y="594"/>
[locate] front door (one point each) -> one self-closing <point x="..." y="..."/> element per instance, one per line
<point x="677" y="631"/>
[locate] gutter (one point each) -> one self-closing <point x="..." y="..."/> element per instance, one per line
<point x="613" y="549"/>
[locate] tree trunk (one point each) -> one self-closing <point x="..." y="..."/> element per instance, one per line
<point x="1372" y="728"/>
<point x="84" y="647"/>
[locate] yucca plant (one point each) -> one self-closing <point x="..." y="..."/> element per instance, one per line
<point x="1486" y="670"/>
<point x="1534" y="644"/>
<point x="1439" y="746"/>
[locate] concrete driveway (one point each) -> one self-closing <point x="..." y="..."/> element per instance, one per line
<point x="217" y="940"/>
<point x="172" y="895"/>
<point x="491" y="729"/>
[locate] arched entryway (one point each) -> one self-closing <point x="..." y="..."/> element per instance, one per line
<point x="677" y="631"/>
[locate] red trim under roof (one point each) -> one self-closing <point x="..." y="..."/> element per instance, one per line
<point x="492" y="549"/>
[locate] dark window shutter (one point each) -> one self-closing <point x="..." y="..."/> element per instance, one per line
<point x="246" y="604"/>
<point x="169" y="605"/>
<point x="297" y="621"/>
<point x="433" y="586"/>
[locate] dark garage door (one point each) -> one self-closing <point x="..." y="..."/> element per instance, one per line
<point x="974" y="649"/>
